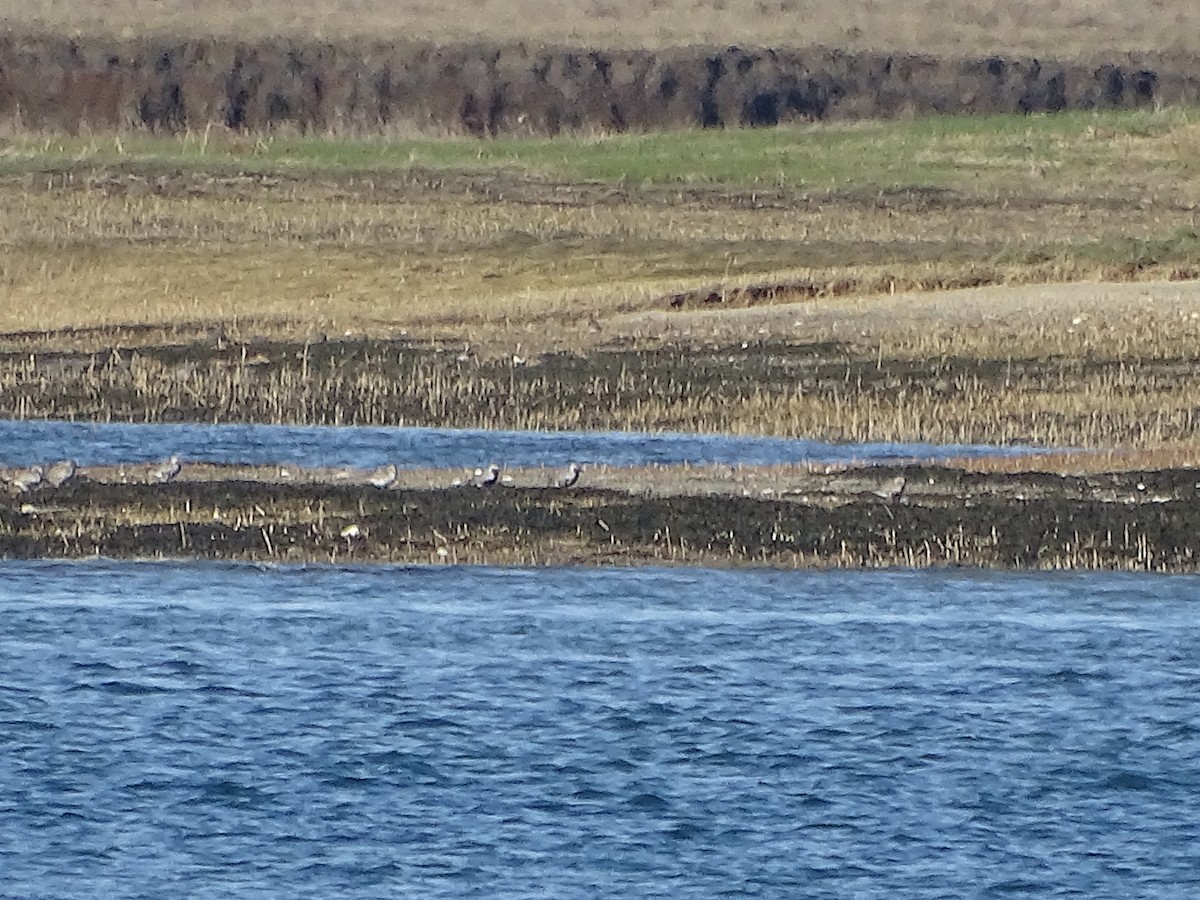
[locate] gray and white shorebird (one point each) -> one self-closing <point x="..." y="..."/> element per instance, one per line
<point x="569" y="476"/>
<point x="165" y="471"/>
<point x="891" y="489"/>
<point x="59" y="473"/>
<point x="383" y="477"/>
<point x="26" y="479"/>
<point x="487" y="479"/>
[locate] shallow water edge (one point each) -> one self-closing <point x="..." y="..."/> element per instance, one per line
<point x="942" y="517"/>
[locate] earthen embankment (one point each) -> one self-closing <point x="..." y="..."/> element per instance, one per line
<point x="50" y="82"/>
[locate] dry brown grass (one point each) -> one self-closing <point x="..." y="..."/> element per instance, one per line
<point x="490" y="250"/>
<point x="1020" y="381"/>
<point x="1039" y="27"/>
<point x="513" y="243"/>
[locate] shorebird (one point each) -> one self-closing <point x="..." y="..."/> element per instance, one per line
<point x="569" y="477"/>
<point x="26" y="479"/>
<point x="61" y="472"/>
<point x="165" y="471"/>
<point x="890" y="489"/>
<point x="488" y="478"/>
<point x="383" y="477"/>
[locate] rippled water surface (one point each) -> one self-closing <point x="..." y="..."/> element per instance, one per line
<point x="30" y="442"/>
<point x="213" y="731"/>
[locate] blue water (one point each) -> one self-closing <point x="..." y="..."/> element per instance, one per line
<point x="208" y="730"/>
<point x="29" y="442"/>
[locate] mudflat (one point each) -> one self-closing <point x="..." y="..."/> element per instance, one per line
<point x="915" y="515"/>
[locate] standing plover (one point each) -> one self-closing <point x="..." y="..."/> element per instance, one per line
<point x="383" y="476"/>
<point x="165" y="471"/>
<point x="488" y="478"/>
<point x="59" y="473"/>
<point x="26" y="479"/>
<point x="568" y="478"/>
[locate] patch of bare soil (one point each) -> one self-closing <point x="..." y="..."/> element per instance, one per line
<point x="821" y="312"/>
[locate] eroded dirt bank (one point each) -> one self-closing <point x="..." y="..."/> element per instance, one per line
<point x="853" y="517"/>
<point x="54" y="82"/>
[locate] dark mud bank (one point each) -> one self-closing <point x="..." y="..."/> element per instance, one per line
<point x="52" y="82"/>
<point x="1130" y="521"/>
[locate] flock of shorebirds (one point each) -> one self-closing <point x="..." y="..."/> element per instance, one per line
<point x="64" y="471"/>
<point x="56" y="474"/>
<point x="483" y="478"/>
<point x="387" y="476"/>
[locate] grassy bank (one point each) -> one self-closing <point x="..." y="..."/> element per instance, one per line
<point x="618" y="282"/>
<point x="1061" y="152"/>
<point x="473" y="237"/>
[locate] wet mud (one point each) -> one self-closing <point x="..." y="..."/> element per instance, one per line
<point x="855" y="517"/>
<point x="54" y="82"/>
